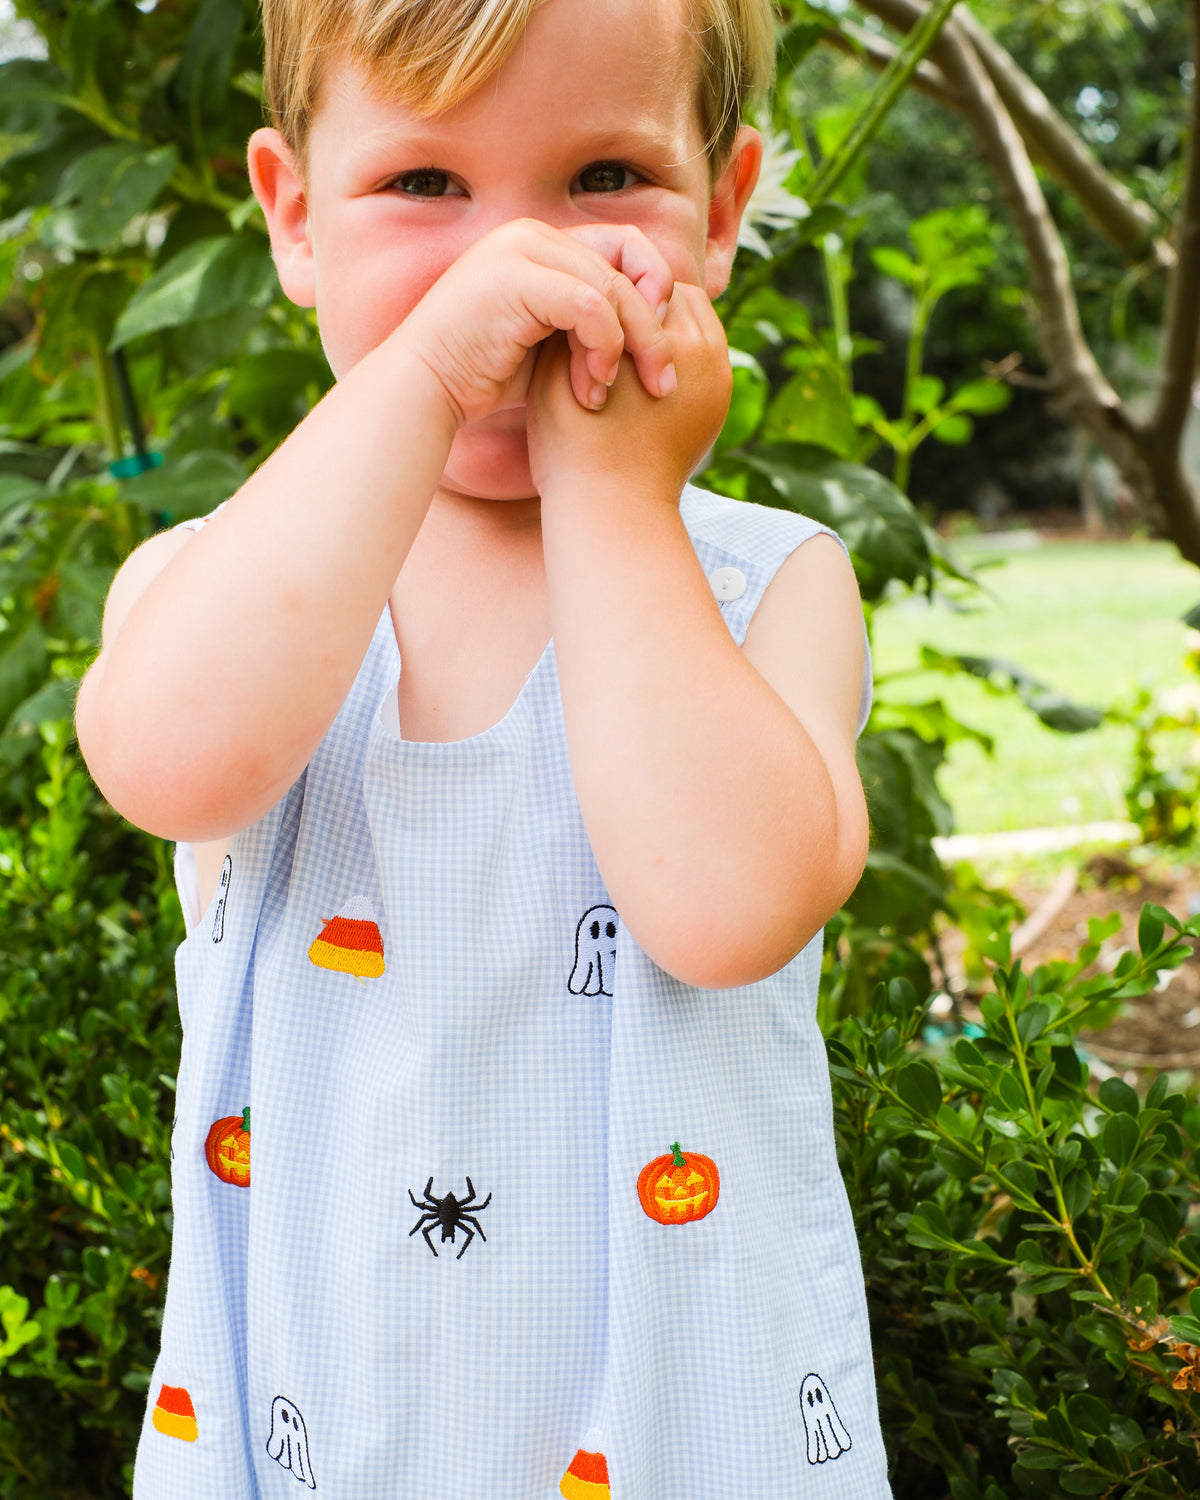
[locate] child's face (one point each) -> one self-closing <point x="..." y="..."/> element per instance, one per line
<point x="392" y="200"/>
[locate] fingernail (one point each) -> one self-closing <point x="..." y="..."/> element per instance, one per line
<point x="596" y="400"/>
<point x="667" y="381"/>
<point x="661" y="310"/>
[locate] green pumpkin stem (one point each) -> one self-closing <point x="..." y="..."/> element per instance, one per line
<point x="246" y="1119"/>
<point x="679" y="1161"/>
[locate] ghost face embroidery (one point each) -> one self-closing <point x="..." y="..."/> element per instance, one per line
<point x="218" y="927"/>
<point x="595" y="952"/>
<point x="288" y="1443"/>
<point x="826" y="1436"/>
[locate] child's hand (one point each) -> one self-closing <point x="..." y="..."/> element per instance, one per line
<point x="656" y="442"/>
<point x="479" y="326"/>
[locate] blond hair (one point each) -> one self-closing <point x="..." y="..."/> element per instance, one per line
<point x="432" y="54"/>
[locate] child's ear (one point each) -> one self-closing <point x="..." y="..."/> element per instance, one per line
<point x="279" y="188"/>
<point x="730" y="195"/>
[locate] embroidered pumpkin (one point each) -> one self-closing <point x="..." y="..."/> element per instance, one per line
<point x="227" y="1148"/>
<point x="679" y="1187"/>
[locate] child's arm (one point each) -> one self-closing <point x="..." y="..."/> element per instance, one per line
<point x="226" y="655"/>
<point x="718" y="785"/>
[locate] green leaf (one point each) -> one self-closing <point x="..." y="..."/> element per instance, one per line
<point x="1143" y="1297"/>
<point x="981" y="397"/>
<point x="1003" y="676"/>
<point x="1150" y="930"/>
<point x="747" y="403"/>
<point x="1032" y="1021"/>
<point x="23" y="664"/>
<point x="920" y="1088"/>
<point x="954" y="430"/>
<point x="189" y="486"/>
<point x="1040" y="1458"/>
<point x="1187" y="1329"/>
<point x="1118" y="1096"/>
<point x="1088" y="1414"/>
<point x="895" y="263"/>
<point x="18" y="492"/>
<point x="813" y="407"/>
<point x="1122" y="1240"/>
<point x="925" y="393"/>
<point x="103" y="190"/>
<point x="53" y="700"/>
<point x="1120" y="1139"/>
<point x="1124" y="1433"/>
<point x="83" y="588"/>
<point x="270" y="386"/>
<point x="207" y="279"/>
<point x="32" y="92"/>
<point x="1077" y="1192"/>
<point x="885" y="537"/>
<point x="202" y="81"/>
<point x="1081" y="1479"/>
<point x="1105" y="1332"/>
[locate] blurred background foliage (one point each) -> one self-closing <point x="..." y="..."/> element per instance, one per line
<point x="148" y="363"/>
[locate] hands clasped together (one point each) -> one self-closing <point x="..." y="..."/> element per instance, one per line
<point x="599" y="304"/>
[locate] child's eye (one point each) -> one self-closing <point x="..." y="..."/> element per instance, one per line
<point x="610" y="172"/>
<point x="425" y="182"/>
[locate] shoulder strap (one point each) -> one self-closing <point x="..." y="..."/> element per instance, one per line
<point x="741" y="546"/>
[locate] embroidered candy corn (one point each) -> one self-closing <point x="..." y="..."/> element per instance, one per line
<point x="586" y="1477"/>
<point x="174" y="1414"/>
<point x="350" y="942"/>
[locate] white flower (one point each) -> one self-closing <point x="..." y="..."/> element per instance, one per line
<point x="771" y="206"/>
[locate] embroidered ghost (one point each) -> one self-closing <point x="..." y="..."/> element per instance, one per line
<point x="218" y="927"/>
<point x="288" y="1443"/>
<point x="595" y="952"/>
<point x="827" y="1438"/>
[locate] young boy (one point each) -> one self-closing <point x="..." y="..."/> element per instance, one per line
<point x="510" y="955"/>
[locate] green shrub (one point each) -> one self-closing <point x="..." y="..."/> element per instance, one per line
<point x="1026" y="1237"/>
<point x="88" y="1051"/>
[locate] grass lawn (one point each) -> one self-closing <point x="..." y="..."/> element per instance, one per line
<point x="1092" y="620"/>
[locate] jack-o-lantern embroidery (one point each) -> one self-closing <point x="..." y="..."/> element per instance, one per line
<point x="227" y="1148"/>
<point x="824" y="1433"/>
<point x="586" y="1477"/>
<point x="595" y="952"/>
<point x="174" y="1415"/>
<point x="350" y="943"/>
<point x="680" y="1187"/>
<point x="288" y="1442"/>
<point x="218" y="927"/>
<point x="448" y="1213"/>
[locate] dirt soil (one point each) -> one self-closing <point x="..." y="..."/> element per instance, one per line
<point x="1157" y="1032"/>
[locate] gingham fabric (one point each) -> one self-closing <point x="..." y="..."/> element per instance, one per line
<point x="511" y="1195"/>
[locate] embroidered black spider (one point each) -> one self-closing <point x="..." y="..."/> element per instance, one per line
<point x="448" y="1212"/>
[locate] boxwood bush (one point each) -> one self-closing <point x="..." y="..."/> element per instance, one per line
<point x="1031" y="1241"/>
<point x="89" y="1042"/>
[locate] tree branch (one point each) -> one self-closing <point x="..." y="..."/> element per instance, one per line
<point x="1164" y="430"/>
<point x="865" y="46"/>
<point x="1124" y="221"/>
<point x="1143" y="453"/>
<point x="1079" y="381"/>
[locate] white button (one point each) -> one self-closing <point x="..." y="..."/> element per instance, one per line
<point x="727" y="583"/>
